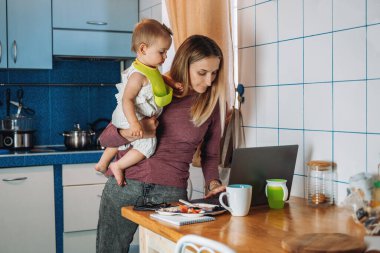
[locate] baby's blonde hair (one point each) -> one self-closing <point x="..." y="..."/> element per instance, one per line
<point x="147" y="31"/>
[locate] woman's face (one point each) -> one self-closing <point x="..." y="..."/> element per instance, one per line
<point x="203" y="73"/>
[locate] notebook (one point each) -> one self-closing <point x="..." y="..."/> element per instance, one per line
<point x="254" y="165"/>
<point x="181" y="220"/>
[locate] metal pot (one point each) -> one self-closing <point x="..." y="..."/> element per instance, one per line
<point x="77" y="138"/>
<point x="17" y="140"/>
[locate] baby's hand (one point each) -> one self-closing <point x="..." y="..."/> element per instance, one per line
<point x="136" y="130"/>
<point x="178" y="87"/>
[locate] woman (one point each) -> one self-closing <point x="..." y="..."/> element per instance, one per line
<point x="184" y="124"/>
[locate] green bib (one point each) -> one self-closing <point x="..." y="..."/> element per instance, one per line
<point x="162" y="93"/>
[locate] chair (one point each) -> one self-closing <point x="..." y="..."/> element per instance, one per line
<point x="204" y="245"/>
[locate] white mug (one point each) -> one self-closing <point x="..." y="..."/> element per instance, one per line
<point x="239" y="199"/>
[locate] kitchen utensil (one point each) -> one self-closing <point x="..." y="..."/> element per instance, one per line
<point x="20" y="95"/>
<point x="17" y="123"/>
<point x="23" y="108"/>
<point x="7" y="100"/>
<point x="15" y="139"/>
<point x="323" y="242"/>
<point x="77" y="138"/>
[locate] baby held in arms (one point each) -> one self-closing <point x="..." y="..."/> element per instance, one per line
<point x="142" y="93"/>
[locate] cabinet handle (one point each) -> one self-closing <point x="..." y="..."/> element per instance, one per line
<point x="1" y="51"/>
<point x="14" y="51"/>
<point x="96" y="23"/>
<point x="15" y="179"/>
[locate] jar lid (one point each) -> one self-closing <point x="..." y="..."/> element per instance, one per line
<point x="376" y="184"/>
<point x="320" y="165"/>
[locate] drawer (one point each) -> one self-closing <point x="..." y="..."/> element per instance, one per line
<point x="81" y="174"/>
<point x="92" y="44"/>
<point x="115" y="15"/>
<point x="81" y="207"/>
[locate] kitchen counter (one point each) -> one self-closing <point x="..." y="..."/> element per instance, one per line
<point x="49" y="156"/>
<point x="262" y="230"/>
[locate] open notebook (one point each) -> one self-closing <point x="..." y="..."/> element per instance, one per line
<point x="181" y="220"/>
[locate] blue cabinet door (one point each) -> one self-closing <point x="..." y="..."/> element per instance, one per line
<point x="29" y="34"/>
<point x="105" y="15"/>
<point x="3" y="34"/>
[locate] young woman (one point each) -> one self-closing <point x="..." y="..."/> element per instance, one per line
<point x="188" y="120"/>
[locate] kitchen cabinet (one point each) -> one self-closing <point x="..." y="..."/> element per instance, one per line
<point x="27" y="222"/>
<point x="28" y="42"/>
<point x="3" y="34"/>
<point x="94" y="28"/>
<point x="82" y="189"/>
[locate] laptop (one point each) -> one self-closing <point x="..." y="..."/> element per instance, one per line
<point x="255" y="165"/>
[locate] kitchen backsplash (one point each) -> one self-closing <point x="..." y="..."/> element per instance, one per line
<point x="311" y="69"/>
<point x="79" y="96"/>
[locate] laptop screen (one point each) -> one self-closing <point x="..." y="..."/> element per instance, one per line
<point x="255" y="165"/>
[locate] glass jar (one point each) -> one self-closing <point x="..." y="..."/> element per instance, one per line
<point x="319" y="185"/>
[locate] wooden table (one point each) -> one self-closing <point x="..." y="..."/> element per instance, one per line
<point x="262" y="230"/>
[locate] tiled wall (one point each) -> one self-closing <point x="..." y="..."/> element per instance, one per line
<point x="311" y="69"/>
<point x="57" y="107"/>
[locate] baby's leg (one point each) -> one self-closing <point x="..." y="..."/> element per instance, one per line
<point x="105" y="159"/>
<point x="130" y="158"/>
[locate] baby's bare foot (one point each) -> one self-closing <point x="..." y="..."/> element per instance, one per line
<point x="118" y="173"/>
<point x="101" y="167"/>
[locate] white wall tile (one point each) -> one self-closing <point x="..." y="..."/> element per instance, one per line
<point x="373" y="153"/>
<point x="267" y="106"/>
<point x="291" y="137"/>
<point x="144" y="4"/>
<point x="318" y="16"/>
<point x="318" y="106"/>
<point x="348" y="13"/>
<point x="247" y="66"/>
<point x="373" y="51"/>
<point x="350" y="106"/>
<point x="373" y="105"/>
<point x="373" y="8"/>
<point x="298" y="187"/>
<point x="260" y="1"/>
<point x="157" y="12"/>
<point x="246" y="27"/>
<point x="291" y="61"/>
<point x="349" y="154"/>
<point x="266" y="22"/>
<point x="290" y="22"/>
<point x="249" y="107"/>
<point x="318" y="146"/>
<point x="245" y="3"/>
<point x="318" y="58"/>
<point x="349" y="58"/>
<point x="267" y="137"/>
<point x="250" y="137"/>
<point x="266" y="71"/>
<point x="291" y="106"/>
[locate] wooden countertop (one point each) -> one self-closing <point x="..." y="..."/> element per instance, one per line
<point x="262" y="230"/>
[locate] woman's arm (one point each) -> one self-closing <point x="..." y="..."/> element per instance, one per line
<point x="113" y="137"/>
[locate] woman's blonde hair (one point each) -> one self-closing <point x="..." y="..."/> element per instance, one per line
<point x="193" y="49"/>
<point x="147" y="31"/>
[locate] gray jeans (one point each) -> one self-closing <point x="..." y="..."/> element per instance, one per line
<point x="115" y="233"/>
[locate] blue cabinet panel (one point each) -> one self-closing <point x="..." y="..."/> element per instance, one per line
<point x="3" y="34"/>
<point x="106" y="15"/>
<point x="29" y="34"/>
<point x="92" y="43"/>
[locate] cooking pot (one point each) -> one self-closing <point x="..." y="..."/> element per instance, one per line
<point x="77" y="138"/>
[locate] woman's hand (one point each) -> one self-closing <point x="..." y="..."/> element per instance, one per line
<point x="149" y="126"/>
<point x="136" y="129"/>
<point x="215" y="187"/>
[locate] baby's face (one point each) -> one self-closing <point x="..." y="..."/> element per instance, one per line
<point x="155" y="54"/>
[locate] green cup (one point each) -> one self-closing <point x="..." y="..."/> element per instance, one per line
<point x="276" y="192"/>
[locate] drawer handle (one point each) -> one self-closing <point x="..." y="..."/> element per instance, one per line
<point x="15" y="179"/>
<point x="96" y="23"/>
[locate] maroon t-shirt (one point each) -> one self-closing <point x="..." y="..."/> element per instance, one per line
<point x="177" y="139"/>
